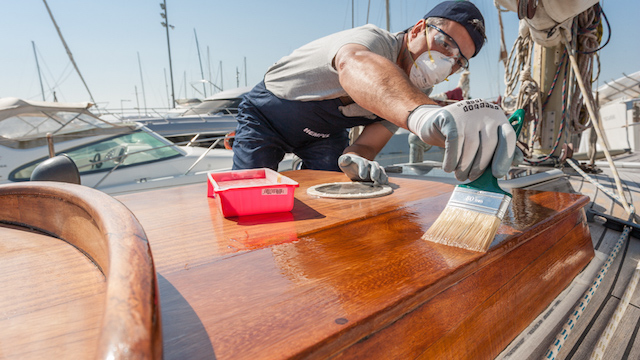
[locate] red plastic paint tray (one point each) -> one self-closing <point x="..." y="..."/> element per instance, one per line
<point x="249" y="192"/>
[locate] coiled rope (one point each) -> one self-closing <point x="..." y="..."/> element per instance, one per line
<point x="587" y="32"/>
<point x="563" y="117"/>
<point x="587" y="35"/>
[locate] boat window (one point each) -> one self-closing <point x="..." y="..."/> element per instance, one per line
<point x="125" y="150"/>
<point x="215" y="107"/>
<point x="58" y="122"/>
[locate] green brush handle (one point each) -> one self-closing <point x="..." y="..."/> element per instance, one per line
<point x="486" y="181"/>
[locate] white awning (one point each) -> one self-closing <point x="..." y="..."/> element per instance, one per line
<point x="624" y="88"/>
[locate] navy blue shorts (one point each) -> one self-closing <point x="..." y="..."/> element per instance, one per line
<point x="269" y="127"/>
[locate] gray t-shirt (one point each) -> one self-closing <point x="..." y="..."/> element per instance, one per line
<point x="308" y="74"/>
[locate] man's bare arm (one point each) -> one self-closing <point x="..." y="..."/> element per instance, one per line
<point x="377" y="84"/>
<point x="372" y="139"/>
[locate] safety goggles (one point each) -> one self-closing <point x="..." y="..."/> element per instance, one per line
<point x="449" y="46"/>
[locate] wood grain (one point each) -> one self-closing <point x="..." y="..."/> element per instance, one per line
<point x="40" y="301"/>
<point x="351" y="277"/>
<point x="110" y="236"/>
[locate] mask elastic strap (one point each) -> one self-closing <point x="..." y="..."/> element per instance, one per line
<point x="426" y="34"/>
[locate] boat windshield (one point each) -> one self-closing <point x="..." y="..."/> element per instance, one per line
<point x="213" y="107"/>
<point x="38" y="123"/>
<point x="122" y="151"/>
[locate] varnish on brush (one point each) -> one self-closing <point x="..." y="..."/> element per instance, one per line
<point x="475" y="210"/>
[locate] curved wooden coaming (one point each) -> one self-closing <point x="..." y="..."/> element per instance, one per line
<point x="110" y="235"/>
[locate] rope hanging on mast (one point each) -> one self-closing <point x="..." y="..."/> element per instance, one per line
<point x="522" y="91"/>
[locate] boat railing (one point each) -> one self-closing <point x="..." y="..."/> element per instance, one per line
<point x="115" y="241"/>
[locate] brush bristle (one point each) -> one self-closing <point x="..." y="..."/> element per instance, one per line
<point x="464" y="228"/>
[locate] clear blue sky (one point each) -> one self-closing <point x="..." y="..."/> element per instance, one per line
<point x="105" y="38"/>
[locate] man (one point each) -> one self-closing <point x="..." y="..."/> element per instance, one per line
<point x="368" y="76"/>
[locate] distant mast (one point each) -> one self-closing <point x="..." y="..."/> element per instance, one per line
<point x="209" y="66"/>
<point x="144" y="97"/>
<point x="69" y="52"/>
<point x="166" y="24"/>
<point x="204" y="86"/>
<point x="221" y="80"/>
<point x="388" y="17"/>
<point x="38" y="67"/>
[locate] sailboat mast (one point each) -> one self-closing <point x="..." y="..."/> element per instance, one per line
<point x="69" y="52"/>
<point x="204" y="86"/>
<point x="166" y="86"/>
<point x="38" y="66"/>
<point x="166" y="24"/>
<point x="388" y="17"/>
<point x="144" y="97"/>
<point x="209" y="65"/>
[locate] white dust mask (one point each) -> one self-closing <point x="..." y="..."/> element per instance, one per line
<point x="429" y="69"/>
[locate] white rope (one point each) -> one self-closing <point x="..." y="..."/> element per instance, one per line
<point x="518" y="71"/>
<point x="614" y="321"/>
<point x="612" y="325"/>
<point x="529" y="97"/>
<point x="518" y="60"/>
<point x="594" y="117"/>
<point x="587" y="40"/>
<point x="562" y="336"/>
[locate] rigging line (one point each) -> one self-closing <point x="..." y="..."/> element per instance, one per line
<point x="144" y="96"/>
<point x="64" y="75"/>
<point x="46" y="67"/>
<point x="600" y="10"/>
<point x="601" y="308"/>
<point x="612" y="324"/>
<point x="555" y="347"/>
<point x="69" y="52"/>
<point x="346" y="15"/>
<point x="38" y="67"/>
<point x="368" y="8"/>
<point x="204" y="86"/>
<point x="595" y="119"/>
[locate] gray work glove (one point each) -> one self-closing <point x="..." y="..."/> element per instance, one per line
<point x="358" y="168"/>
<point x="473" y="134"/>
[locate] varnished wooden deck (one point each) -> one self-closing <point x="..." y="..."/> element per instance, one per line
<point x="207" y="263"/>
<point x="534" y="342"/>
<point x="342" y="279"/>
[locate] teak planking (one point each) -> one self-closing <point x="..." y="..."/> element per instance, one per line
<point x="129" y="325"/>
<point x="352" y="278"/>
<point x="40" y="301"/>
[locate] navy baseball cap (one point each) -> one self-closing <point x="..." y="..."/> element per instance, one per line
<point x="464" y="13"/>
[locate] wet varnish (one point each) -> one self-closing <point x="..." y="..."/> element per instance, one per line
<point x="352" y="278"/>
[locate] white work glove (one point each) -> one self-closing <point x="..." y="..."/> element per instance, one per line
<point x="472" y="133"/>
<point x="358" y="168"/>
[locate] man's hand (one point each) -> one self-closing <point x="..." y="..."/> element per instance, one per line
<point x="472" y="132"/>
<point x="358" y="168"/>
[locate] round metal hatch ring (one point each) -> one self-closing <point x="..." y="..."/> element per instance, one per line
<point x="349" y="190"/>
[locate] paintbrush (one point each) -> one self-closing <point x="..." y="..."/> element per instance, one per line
<point x="475" y="210"/>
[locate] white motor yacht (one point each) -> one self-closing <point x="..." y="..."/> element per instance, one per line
<point x="112" y="157"/>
